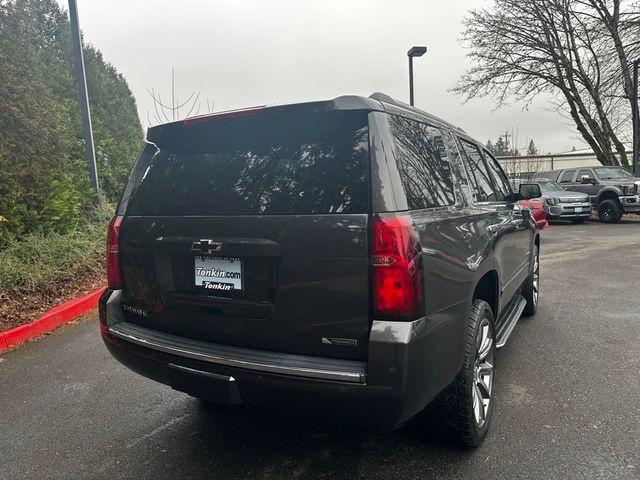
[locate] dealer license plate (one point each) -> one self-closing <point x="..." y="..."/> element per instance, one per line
<point x="578" y="210"/>
<point x="220" y="274"/>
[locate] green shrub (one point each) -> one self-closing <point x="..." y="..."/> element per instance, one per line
<point x="62" y="206"/>
<point x="45" y="261"/>
<point x="44" y="182"/>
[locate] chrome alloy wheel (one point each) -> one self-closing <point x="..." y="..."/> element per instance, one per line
<point x="483" y="373"/>
<point x="536" y="279"/>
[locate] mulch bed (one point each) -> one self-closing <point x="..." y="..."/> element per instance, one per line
<point x="25" y="308"/>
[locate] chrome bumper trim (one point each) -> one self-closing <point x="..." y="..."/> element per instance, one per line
<point x="239" y="357"/>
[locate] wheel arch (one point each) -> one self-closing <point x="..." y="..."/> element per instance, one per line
<point x="609" y="194"/>
<point x="487" y="289"/>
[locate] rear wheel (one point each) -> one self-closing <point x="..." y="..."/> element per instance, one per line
<point x="464" y="410"/>
<point x="531" y="289"/>
<point x="609" y="211"/>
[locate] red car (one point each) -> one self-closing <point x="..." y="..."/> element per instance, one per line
<point x="537" y="210"/>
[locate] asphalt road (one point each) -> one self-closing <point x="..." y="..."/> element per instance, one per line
<point x="567" y="386"/>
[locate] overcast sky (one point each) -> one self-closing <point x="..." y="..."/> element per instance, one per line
<point x="242" y="53"/>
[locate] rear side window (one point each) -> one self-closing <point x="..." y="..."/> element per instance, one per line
<point x="567" y="176"/>
<point x="503" y="189"/>
<point x="481" y="183"/>
<point x="302" y="163"/>
<point x="587" y="172"/>
<point x="422" y="161"/>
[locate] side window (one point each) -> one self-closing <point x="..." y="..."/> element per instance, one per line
<point x="567" y="176"/>
<point x="503" y="189"/>
<point x="584" y="171"/>
<point x="478" y="174"/>
<point x="424" y="168"/>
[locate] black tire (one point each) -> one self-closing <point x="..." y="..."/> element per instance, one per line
<point x="578" y="221"/>
<point x="609" y="211"/>
<point x="531" y="289"/>
<point x="455" y="409"/>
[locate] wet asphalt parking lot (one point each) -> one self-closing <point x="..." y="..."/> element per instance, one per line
<point x="567" y="390"/>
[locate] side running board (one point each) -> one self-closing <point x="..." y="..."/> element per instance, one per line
<point x="511" y="317"/>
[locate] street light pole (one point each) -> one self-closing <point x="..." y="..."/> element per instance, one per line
<point x="413" y="52"/>
<point x="81" y="79"/>
<point x="410" y="80"/>
<point x="636" y="120"/>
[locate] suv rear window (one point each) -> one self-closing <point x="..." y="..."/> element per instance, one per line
<point x="269" y="164"/>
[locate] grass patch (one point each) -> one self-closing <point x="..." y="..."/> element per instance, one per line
<point x="41" y="261"/>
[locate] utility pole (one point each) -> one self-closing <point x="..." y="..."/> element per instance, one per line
<point x="506" y="141"/>
<point x="81" y="80"/>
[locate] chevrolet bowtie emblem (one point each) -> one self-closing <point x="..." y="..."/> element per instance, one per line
<point x="206" y="245"/>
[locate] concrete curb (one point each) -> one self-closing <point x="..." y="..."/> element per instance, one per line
<point x="56" y="316"/>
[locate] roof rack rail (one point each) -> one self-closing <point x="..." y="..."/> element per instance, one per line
<point x="383" y="97"/>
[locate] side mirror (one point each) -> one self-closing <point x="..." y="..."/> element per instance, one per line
<point x="529" y="190"/>
<point x="515" y="197"/>
<point x="586" y="179"/>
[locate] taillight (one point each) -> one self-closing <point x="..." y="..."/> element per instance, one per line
<point x="114" y="275"/>
<point x="398" y="281"/>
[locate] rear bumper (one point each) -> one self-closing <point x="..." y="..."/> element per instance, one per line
<point x="258" y="360"/>
<point x="405" y="369"/>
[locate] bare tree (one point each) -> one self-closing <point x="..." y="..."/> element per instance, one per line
<point x="170" y="113"/>
<point x="521" y="168"/>
<point x="576" y="50"/>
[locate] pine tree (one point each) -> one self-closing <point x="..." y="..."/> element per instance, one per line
<point x="490" y="146"/>
<point x="501" y="147"/>
<point x="44" y="182"/>
<point x="532" y="150"/>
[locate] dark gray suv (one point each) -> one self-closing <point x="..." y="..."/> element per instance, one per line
<point x="354" y="259"/>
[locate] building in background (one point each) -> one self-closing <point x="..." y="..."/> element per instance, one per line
<point x="527" y="166"/>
